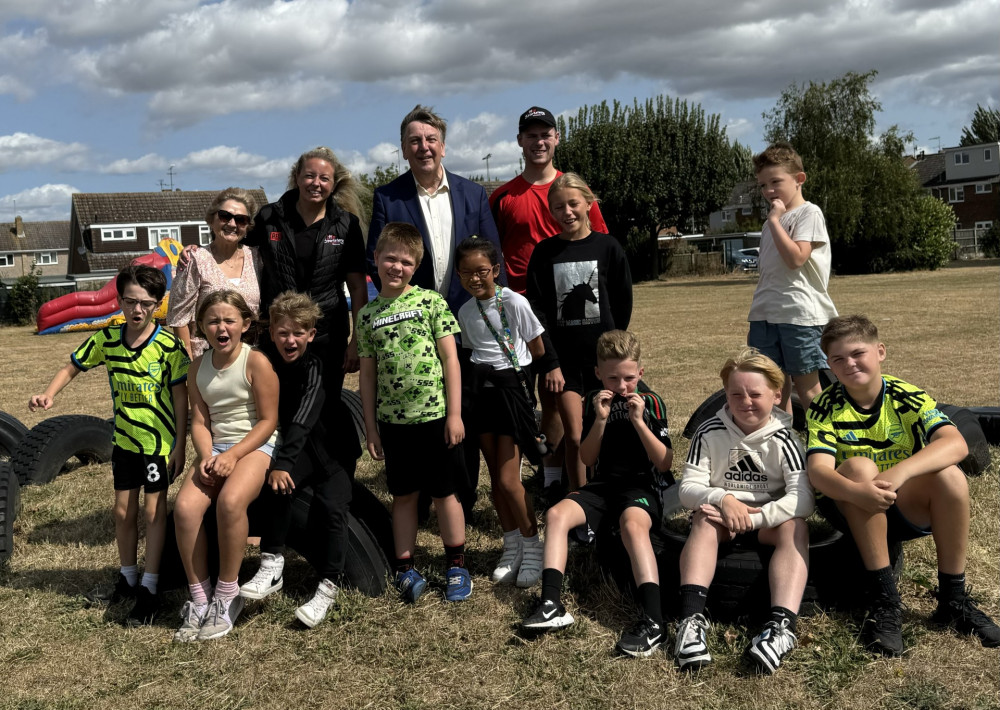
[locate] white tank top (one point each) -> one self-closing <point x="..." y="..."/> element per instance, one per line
<point x="227" y="392"/>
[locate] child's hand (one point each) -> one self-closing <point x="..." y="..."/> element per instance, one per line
<point x="874" y="496"/>
<point x="714" y="515"/>
<point x="224" y="464"/>
<point x="777" y="209"/>
<point x="205" y="473"/>
<point x="554" y="380"/>
<point x="374" y="446"/>
<point x="736" y="514"/>
<point x="454" y="430"/>
<point x="602" y="404"/>
<point x="281" y="482"/>
<point x="39" y="400"/>
<point x="352" y="363"/>
<point x="636" y="407"/>
<point x="175" y="464"/>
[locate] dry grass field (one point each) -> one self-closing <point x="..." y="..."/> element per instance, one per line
<point x="942" y="330"/>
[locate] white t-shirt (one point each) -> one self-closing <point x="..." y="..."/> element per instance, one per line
<point x="796" y="296"/>
<point x="524" y="326"/>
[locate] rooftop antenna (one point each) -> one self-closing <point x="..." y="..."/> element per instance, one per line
<point x="161" y="184"/>
<point x="399" y="165"/>
<point x="938" y="139"/>
<point x="170" y="172"/>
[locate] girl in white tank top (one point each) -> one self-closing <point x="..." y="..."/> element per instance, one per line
<point x="234" y="395"/>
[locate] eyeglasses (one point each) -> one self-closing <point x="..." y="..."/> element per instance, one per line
<point x="481" y="273"/>
<point x="135" y="303"/>
<point x="241" y="220"/>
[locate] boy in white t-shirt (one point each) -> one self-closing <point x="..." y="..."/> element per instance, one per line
<point x="791" y="304"/>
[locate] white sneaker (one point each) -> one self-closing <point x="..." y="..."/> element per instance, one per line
<point x="316" y="609"/>
<point x="219" y="618"/>
<point x="691" y="644"/>
<point x="191" y="617"/>
<point x="509" y="563"/>
<point x="268" y="579"/>
<point x="531" y="564"/>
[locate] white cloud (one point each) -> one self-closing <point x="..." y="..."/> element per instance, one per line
<point x="233" y="163"/>
<point x="39" y="204"/>
<point x="145" y="164"/>
<point x="28" y="151"/>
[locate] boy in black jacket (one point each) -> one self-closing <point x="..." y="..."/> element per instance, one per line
<point x="309" y="452"/>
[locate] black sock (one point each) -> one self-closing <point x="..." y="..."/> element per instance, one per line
<point x="883" y="583"/>
<point x="649" y="598"/>
<point x="455" y="555"/>
<point x="403" y="564"/>
<point x="693" y="600"/>
<point x="951" y="587"/>
<point x="552" y="580"/>
<point x="779" y="612"/>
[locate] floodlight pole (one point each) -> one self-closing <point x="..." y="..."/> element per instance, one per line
<point x="487" y="159"/>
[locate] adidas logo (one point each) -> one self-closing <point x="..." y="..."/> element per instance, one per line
<point x="851" y="436"/>
<point x="745" y="470"/>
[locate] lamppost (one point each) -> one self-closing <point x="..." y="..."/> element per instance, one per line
<point x="487" y="159"/>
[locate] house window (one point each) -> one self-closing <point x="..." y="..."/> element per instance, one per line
<point x="961" y="158"/>
<point x="47" y="258"/>
<point x="983" y="188"/>
<point x="158" y="233"/>
<point x="746" y="210"/>
<point x="6" y="259"/>
<point x="956" y="194"/>
<point x="204" y="235"/>
<point x="727" y="216"/>
<point x="984" y="225"/>
<point x="987" y="154"/>
<point x="119" y="234"/>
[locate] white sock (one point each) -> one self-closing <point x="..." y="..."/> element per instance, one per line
<point x="131" y="574"/>
<point x="149" y="581"/>
<point x="552" y="474"/>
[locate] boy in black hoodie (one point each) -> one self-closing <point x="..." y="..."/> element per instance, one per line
<point x="309" y="453"/>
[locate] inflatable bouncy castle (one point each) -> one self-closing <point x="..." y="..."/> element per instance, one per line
<point x="92" y="310"/>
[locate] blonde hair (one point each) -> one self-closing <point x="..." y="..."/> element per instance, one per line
<point x="347" y="191"/>
<point x="574" y="181"/>
<point x="237" y="194"/>
<point x="780" y="154"/>
<point x="299" y="308"/>
<point x="617" y="345"/>
<point x="401" y="234"/>
<point x="752" y="360"/>
<point x="853" y="327"/>
<point x="232" y="298"/>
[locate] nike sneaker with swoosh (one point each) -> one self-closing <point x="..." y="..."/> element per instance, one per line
<point x="641" y="639"/>
<point x="547" y="616"/>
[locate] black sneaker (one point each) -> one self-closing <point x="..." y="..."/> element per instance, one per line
<point x="121" y="591"/>
<point x="147" y="605"/>
<point x="964" y="616"/>
<point x="641" y="639"/>
<point x="547" y="616"/>
<point x="883" y="629"/>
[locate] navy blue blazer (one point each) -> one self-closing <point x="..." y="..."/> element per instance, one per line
<point x="398" y="202"/>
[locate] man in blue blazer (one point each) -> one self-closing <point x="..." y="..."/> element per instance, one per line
<point x="445" y="208"/>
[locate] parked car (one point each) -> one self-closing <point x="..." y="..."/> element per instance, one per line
<point x="746" y="259"/>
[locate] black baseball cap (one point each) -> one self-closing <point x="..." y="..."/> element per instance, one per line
<point x="535" y="115"/>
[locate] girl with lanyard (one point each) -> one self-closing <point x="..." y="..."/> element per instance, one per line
<point x="504" y="335"/>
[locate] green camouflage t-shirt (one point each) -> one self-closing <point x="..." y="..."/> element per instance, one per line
<point x="401" y="335"/>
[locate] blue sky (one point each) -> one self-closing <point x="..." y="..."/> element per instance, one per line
<point x="106" y="95"/>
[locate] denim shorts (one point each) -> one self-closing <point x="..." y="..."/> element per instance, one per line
<point x="218" y="448"/>
<point x="795" y="348"/>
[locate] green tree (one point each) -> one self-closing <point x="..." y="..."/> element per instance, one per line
<point x="655" y="164"/>
<point x="984" y="128"/>
<point x="22" y="301"/>
<point x="382" y="176"/>
<point x="870" y="198"/>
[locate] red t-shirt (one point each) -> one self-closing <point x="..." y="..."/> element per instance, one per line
<point x="521" y="213"/>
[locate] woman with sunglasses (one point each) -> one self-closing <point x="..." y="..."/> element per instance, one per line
<point x="311" y="241"/>
<point x="224" y="265"/>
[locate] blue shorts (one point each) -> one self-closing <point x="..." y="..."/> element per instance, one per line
<point x="219" y="447"/>
<point x="795" y="348"/>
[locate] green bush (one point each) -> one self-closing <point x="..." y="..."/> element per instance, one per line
<point x="991" y="241"/>
<point x="22" y="300"/>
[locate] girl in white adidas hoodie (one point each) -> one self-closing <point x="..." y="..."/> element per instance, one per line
<point x="745" y="473"/>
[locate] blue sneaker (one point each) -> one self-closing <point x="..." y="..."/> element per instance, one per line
<point x="459" y="585"/>
<point x="411" y="584"/>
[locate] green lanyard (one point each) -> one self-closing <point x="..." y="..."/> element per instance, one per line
<point x="505" y="341"/>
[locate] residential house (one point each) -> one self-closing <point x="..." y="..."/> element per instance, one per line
<point x="108" y="230"/>
<point x="739" y="213"/>
<point x="44" y="244"/>
<point x="968" y="179"/>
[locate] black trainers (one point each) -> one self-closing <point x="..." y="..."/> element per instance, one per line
<point x="883" y="629"/>
<point x="547" y="616"/>
<point x="964" y="616"/>
<point x="121" y="591"/>
<point x="641" y="639"/>
<point x="147" y="605"/>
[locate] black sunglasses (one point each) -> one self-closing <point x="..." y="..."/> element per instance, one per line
<point x="241" y="220"/>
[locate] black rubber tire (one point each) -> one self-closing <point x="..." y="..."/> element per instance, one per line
<point x="10" y="503"/>
<point x="353" y="402"/>
<point x="989" y="422"/>
<point x="43" y="453"/>
<point x="12" y="431"/>
<point x="978" y="459"/>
